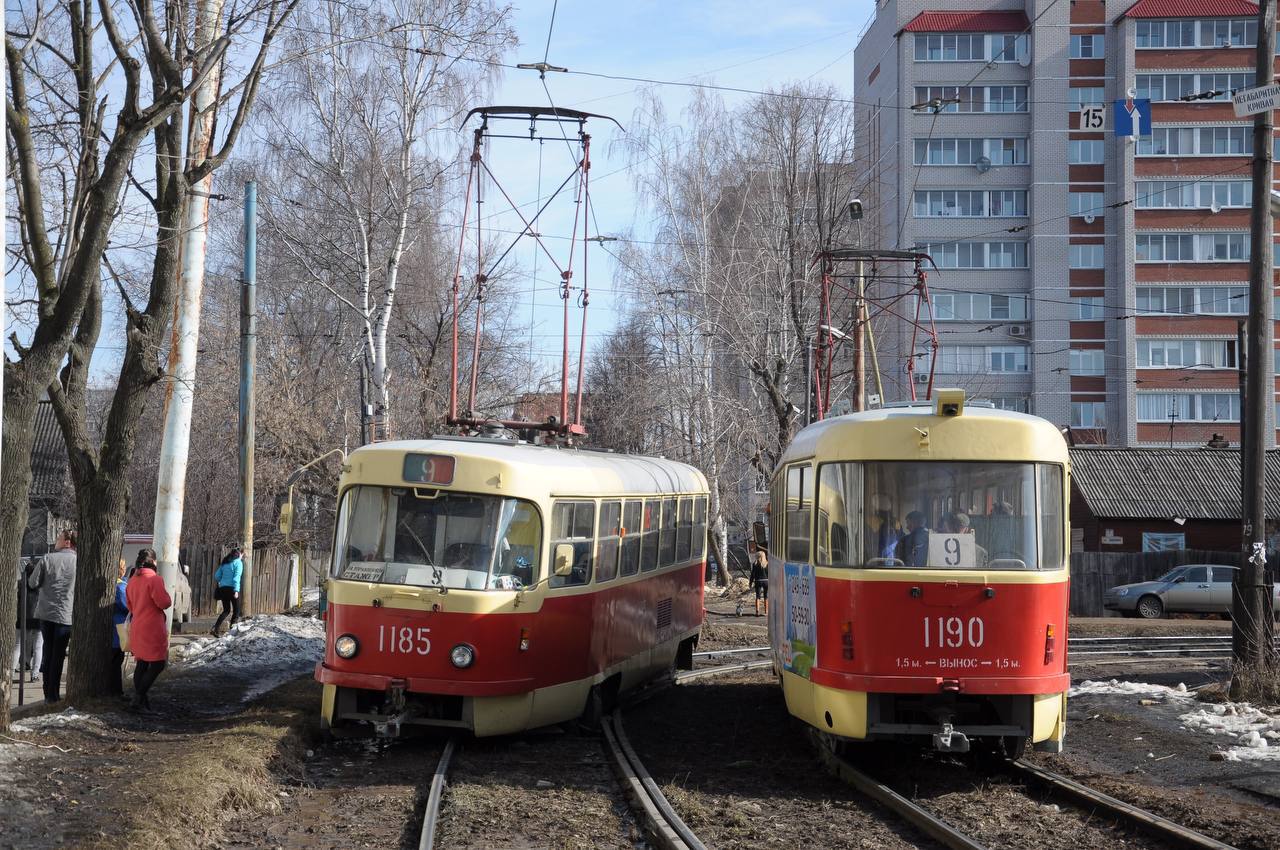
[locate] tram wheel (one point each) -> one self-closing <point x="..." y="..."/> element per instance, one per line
<point x="1013" y="746"/>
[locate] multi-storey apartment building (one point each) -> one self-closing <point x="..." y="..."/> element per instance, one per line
<point x="1095" y="280"/>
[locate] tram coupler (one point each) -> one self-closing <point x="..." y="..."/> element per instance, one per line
<point x="950" y="741"/>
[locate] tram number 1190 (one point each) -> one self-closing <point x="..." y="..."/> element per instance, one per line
<point x="953" y="632"/>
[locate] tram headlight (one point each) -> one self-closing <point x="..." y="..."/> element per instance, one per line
<point x="462" y="656"/>
<point x="346" y="646"/>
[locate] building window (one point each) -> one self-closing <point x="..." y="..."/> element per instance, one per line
<point x="1015" y="403"/>
<point x="1088" y="361"/>
<point x="1088" y="414"/>
<point x="1233" y="140"/>
<point x="969" y="151"/>
<point x="1189" y="407"/>
<point x="1186" y="354"/>
<point x="970" y="47"/>
<point x="1192" y="247"/>
<point x="1088" y="307"/>
<point x="1171" y="87"/>
<point x="1085" y="256"/>
<point x="1084" y="96"/>
<point x="975" y="98"/>
<point x="1204" y="194"/>
<point x="1190" y="300"/>
<point x="1086" y="203"/>
<point x="978" y="255"/>
<point x="974" y="306"/>
<point x="1087" y="47"/>
<point x="1214" y="32"/>
<point x="979" y="359"/>
<point x="960" y="203"/>
<point x="1085" y="152"/>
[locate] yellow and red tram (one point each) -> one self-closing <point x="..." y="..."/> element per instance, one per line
<point x="497" y="586"/>
<point x="920" y="552"/>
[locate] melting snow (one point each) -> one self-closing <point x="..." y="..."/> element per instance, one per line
<point x="1255" y="733"/>
<point x="43" y="722"/>
<point x="266" y="650"/>
<point x="1145" y="689"/>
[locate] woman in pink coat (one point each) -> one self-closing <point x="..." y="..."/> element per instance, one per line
<point x="149" y="631"/>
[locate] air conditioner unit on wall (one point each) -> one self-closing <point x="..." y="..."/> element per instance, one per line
<point x="1018" y="330"/>
<point x="922" y="377"/>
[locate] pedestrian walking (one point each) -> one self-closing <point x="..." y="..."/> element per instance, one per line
<point x="28" y="648"/>
<point x="148" y="603"/>
<point x="227" y="577"/>
<point x="119" y="614"/>
<point x="54" y="580"/>
<point x="760" y="579"/>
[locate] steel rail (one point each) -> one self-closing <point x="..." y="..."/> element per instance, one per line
<point x="1152" y="824"/>
<point x="713" y="652"/>
<point x="431" y="817"/>
<point x="660" y="821"/>
<point x="919" y="817"/>
<point x="687" y="675"/>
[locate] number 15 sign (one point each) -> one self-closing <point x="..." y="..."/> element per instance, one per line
<point x="1093" y="116"/>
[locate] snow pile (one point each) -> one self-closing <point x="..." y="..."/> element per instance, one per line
<point x="267" y="651"/>
<point x="311" y="595"/>
<point x="43" y="722"/>
<point x="1254" y="733"/>
<point x="1145" y="689"/>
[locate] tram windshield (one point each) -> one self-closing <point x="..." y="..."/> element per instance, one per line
<point x="940" y="515"/>
<point x="436" y="538"/>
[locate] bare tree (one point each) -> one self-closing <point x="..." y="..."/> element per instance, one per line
<point x="70" y="65"/>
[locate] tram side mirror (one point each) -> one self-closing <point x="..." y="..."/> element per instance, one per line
<point x="563" y="559"/>
<point x="761" y="534"/>
<point x="286" y="518"/>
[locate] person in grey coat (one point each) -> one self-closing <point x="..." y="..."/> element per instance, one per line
<point x="55" y="579"/>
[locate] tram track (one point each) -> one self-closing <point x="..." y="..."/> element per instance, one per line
<point x="661" y="823"/>
<point x="431" y="817"/>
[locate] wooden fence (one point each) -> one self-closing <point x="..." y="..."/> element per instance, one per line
<point x="270" y="579"/>
<point x="1093" y="572"/>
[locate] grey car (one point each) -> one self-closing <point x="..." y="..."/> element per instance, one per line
<point x="1193" y="588"/>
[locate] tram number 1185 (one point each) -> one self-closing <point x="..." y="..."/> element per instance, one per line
<point x="953" y="632"/>
<point x="404" y="640"/>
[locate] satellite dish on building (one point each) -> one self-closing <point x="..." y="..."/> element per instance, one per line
<point x="1089" y="218"/>
<point x="983" y="164"/>
<point x="1215" y="207"/>
<point x="1024" y="59"/>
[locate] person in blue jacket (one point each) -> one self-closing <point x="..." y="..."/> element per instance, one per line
<point x="119" y="613"/>
<point x="227" y="577"/>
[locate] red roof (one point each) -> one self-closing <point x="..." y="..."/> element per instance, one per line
<point x="971" y="22"/>
<point x="1192" y="9"/>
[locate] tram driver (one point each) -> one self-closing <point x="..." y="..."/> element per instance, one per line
<point x="913" y="549"/>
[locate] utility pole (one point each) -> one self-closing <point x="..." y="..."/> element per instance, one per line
<point x="180" y="395"/>
<point x="248" y="374"/>
<point x="859" y="342"/>
<point x="1251" y="617"/>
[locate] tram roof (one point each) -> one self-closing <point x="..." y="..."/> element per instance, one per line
<point x="977" y="433"/>
<point x="559" y="471"/>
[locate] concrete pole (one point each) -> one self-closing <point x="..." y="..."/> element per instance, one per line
<point x="859" y="345"/>
<point x="248" y="373"/>
<point x="171" y="483"/>
<point x="1251" y="616"/>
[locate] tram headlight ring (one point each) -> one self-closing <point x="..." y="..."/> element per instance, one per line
<point x="462" y="656"/>
<point x="346" y="646"/>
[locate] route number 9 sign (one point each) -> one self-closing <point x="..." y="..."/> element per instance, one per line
<point x="952" y="551"/>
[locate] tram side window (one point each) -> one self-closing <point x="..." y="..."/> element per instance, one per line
<point x="841" y="523"/>
<point x="667" y="546"/>
<point x="631" y="525"/>
<point x="684" y="531"/>
<point x="649" y="548"/>
<point x="610" y="543"/>
<point x="574" y="523"/>
<point x="700" y="527"/>
<point x="1051" y="520"/>
<point x="799" y="512"/>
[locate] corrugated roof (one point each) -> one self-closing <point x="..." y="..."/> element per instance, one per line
<point x="1149" y="483"/>
<point x="48" y="455"/>
<point x="975" y="21"/>
<point x="1192" y="9"/>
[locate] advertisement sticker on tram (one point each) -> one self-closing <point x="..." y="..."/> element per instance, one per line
<point x="799" y="651"/>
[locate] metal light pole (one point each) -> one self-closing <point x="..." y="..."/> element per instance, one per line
<point x="248" y="374"/>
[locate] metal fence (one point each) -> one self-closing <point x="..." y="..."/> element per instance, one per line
<point x="1093" y="572"/>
